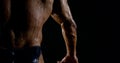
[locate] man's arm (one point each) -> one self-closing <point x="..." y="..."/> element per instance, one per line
<point x="62" y="15"/>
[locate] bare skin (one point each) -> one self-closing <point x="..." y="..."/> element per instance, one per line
<point x="36" y="14"/>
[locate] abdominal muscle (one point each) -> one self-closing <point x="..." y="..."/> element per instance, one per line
<point x="37" y="14"/>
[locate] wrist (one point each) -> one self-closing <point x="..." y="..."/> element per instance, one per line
<point x="71" y="54"/>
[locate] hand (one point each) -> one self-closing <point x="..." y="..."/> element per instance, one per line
<point x="69" y="59"/>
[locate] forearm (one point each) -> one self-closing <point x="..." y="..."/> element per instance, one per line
<point x="70" y="36"/>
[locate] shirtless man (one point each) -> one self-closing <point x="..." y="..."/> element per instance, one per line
<point x="21" y="23"/>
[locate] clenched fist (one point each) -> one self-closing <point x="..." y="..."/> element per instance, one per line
<point x="69" y="59"/>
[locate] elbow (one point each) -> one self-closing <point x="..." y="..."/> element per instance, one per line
<point x="69" y="24"/>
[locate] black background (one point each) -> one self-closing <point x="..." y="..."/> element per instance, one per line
<point x="105" y="32"/>
<point x="53" y="45"/>
<point x="96" y="26"/>
<point x="96" y="31"/>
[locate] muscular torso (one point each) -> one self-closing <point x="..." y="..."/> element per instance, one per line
<point x="26" y="20"/>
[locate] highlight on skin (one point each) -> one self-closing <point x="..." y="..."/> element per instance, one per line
<point x="25" y="27"/>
